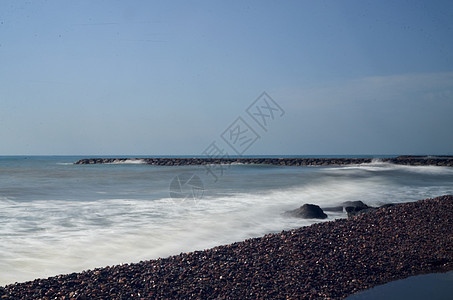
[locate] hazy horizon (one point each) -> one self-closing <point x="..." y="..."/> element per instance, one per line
<point x="117" y="78"/>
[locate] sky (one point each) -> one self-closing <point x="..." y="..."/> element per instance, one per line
<point x="188" y="77"/>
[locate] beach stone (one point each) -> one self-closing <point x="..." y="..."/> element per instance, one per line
<point x="354" y="211"/>
<point x="307" y="211"/>
<point x="356" y="204"/>
<point x="353" y="208"/>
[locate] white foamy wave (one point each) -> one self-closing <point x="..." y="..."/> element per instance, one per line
<point x="131" y="161"/>
<point x="373" y="166"/>
<point x="89" y="234"/>
<point x="92" y="234"/>
<point x="440" y="170"/>
<point x="379" y="165"/>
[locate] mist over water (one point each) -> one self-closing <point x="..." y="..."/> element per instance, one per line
<point x="56" y="217"/>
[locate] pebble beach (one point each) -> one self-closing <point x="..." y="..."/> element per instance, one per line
<point x="326" y="260"/>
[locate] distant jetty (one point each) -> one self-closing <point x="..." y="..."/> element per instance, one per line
<point x="161" y="161"/>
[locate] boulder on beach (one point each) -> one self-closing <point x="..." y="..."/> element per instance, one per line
<point x="307" y="211"/>
<point x="357" y="204"/>
<point x="353" y="208"/>
<point x="360" y="209"/>
<point x="354" y="211"/>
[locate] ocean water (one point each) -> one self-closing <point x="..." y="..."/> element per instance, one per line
<point x="57" y="217"/>
<point x="436" y="286"/>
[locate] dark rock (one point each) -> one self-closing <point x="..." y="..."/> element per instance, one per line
<point x="356" y="204"/>
<point x="307" y="211"/>
<point x="354" y="211"/>
<point x="361" y="208"/>
<point x="354" y="207"/>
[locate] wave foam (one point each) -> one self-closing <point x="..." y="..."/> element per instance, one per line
<point x="86" y="233"/>
<point x="131" y="161"/>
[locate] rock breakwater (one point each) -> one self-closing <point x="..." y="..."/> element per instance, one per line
<point x="401" y="160"/>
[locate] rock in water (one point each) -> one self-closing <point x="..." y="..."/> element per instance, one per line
<point x="355" y="204"/>
<point x="354" y="207"/>
<point x="307" y="211"/>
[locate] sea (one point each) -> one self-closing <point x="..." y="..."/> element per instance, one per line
<point x="57" y="217"/>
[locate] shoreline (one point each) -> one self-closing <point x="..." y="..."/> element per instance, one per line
<point x="162" y="161"/>
<point x="325" y="260"/>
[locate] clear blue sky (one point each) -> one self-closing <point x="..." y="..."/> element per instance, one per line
<point x="169" y="77"/>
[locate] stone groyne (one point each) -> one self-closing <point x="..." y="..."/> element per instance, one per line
<point x="159" y="161"/>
